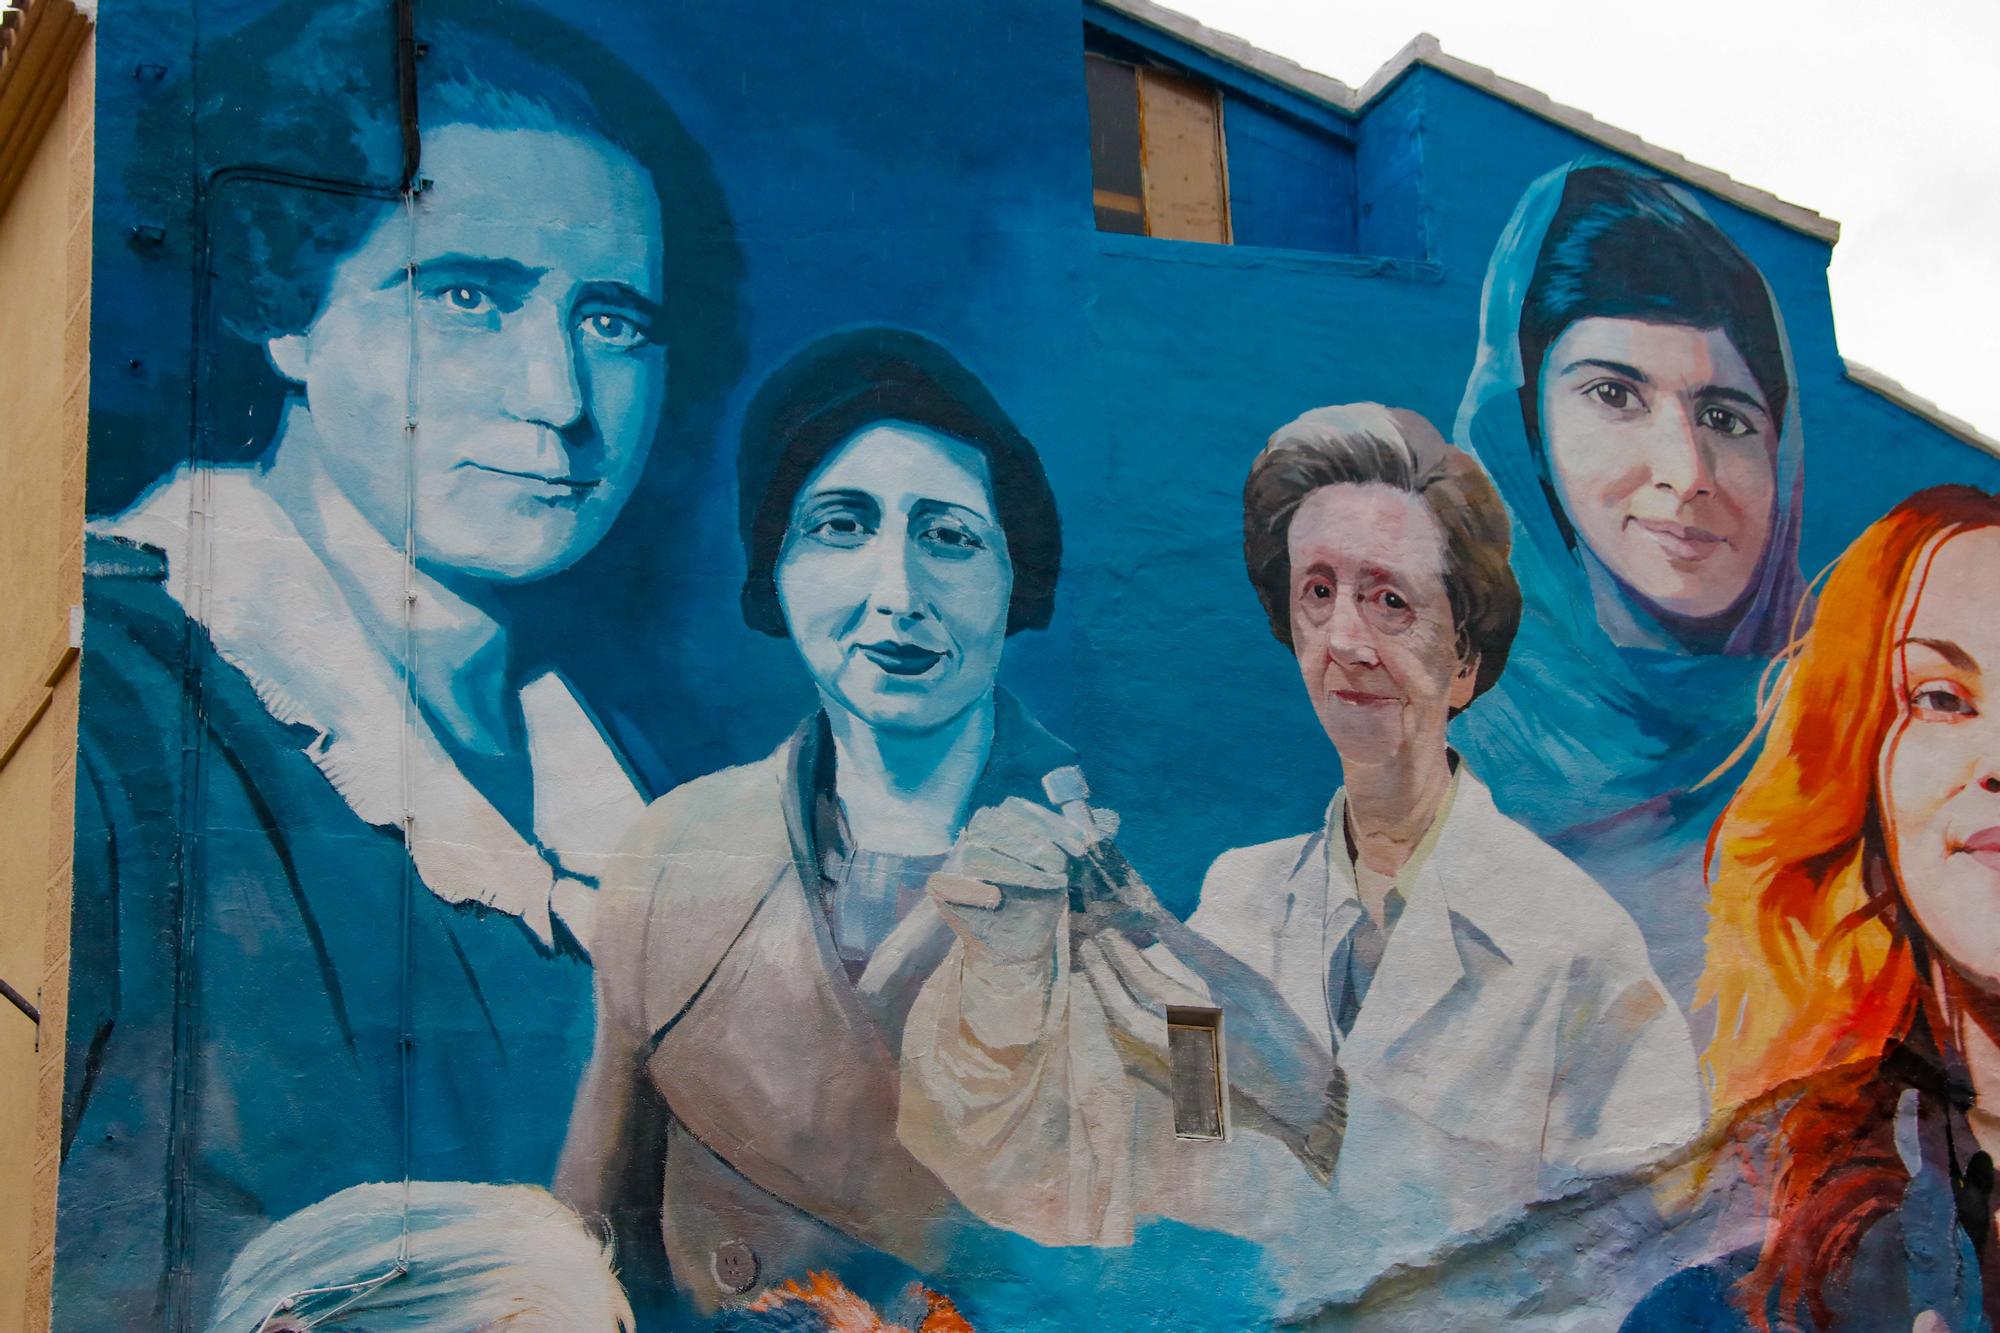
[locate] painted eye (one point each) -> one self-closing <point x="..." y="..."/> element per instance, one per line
<point x="467" y="300"/>
<point x="1319" y="590"/>
<point x="1394" y="601"/>
<point x="613" y="329"/>
<point x="952" y="538"/>
<point x="1941" y="701"/>
<point x="1618" y="397"/>
<point x="1725" y="422"/>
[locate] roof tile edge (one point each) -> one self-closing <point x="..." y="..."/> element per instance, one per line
<point x="1237" y="51"/>
<point x="1425" y="50"/>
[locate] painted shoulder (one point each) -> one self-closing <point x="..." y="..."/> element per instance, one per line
<point x="134" y="634"/>
<point x="692" y="870"/>
<point x="1529" y="897"/>
<point x="1241" y="884"/>
<point x="720" y="810"/>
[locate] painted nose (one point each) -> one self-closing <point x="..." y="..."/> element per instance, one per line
<point x="1678" y="456"/>
<point x="894" y="589"/>
<point x="543" y="386"/>
<point x="1349" y="639"/>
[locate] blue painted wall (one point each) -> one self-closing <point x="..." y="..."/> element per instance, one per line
<point x="925" y="164"/>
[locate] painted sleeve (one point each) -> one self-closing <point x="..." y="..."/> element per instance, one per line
<point x="1626" y="1091"/>
<point x="1013" y="1095"/>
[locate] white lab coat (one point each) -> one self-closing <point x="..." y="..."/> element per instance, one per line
<point x="1514" y="1043"/>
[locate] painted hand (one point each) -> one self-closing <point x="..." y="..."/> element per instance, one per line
<point x="1005" y="889"/>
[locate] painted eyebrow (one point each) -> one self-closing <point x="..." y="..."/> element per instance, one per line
<point x="944" y="506"/>
<point x="1723" y="393"/>
<point x="622" y="294"/>
<point x="485" y="270"/>
<point x="1946" y="649"/>
<point x="839" y="496"/>
<point x="1380" y="573"/>
<point x="1615" y="367"/>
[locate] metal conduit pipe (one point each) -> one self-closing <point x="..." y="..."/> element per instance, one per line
<point x="190" y="853"/>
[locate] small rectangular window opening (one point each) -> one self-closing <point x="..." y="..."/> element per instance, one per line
<point x="1116" y="186"/>
<point x="1194" y="1058"/>
<point x="1156" y="153"/>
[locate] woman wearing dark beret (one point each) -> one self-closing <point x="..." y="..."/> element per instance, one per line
<point x="769" y="927"/>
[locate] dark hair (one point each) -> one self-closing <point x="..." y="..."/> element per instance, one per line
<point x="1628" y="246"/>
<point x="310" y="89"/>
<point x="839" y="386"/>
<point x="1365" y="443"/>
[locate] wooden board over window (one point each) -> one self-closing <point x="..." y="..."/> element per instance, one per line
<point x="1180" y="125"/>
<point x="1157" y="166"/>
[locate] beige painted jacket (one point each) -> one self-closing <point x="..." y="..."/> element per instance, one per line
<point x="737" y="1123"/>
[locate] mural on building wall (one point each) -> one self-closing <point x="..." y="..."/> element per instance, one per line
<point x="422" y="978"/>
<point x="1654" y="465"/>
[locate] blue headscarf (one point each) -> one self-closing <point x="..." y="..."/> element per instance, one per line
<point x="1599" y="736"/>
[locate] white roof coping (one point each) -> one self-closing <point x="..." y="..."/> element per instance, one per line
<point x="1236" y="51"/>
<point x="1876" y="382"/>
<point x="1424" y="49"/>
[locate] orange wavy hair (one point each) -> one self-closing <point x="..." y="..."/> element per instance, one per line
<point x="1813" y="964"/>
<point x="844" y="1312"/>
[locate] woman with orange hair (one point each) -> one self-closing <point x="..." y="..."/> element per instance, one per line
<point x="1854" y="950"/>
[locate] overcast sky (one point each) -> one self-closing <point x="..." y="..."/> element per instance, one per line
<point x="1884" y="117"/>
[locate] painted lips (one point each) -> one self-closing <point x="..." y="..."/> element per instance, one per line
<point x="1362" y="698"/>
<point x="1984" y="847"/>
<point x="1681" y="541"/>
<point x="901" y="659"/>
<point x="574" y="485"/>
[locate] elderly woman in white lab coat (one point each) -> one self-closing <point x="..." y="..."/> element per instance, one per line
<point x="1501" y="1034"/>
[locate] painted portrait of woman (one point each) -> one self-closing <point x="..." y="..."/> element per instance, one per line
<point x="1634" y="400"/>
<point x="323" y="805"/>
<point x="771" y="924"/>
<point x="1854" y="951"/>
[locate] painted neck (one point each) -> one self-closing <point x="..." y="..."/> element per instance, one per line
<point x="908" y="792"/>
<point x="1975" y="1023"/>
<point x="456" y="645"/>
<point x="1390" y="807"/>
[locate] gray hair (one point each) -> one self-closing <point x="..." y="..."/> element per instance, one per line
<point x="479" y="1257"/>
<point x="1369" y="444"/>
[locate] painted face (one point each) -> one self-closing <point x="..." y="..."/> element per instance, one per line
<point x="539" y="373"/>
<point x="1371" y="622"/>
<point x="1664" y="451"/>
<point x="895" y="578"/>
<point x="1941" y="766"/>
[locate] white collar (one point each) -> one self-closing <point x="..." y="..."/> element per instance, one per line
<point x="1344" y="868"/>
<point x="1422" y="961"/>
<point x="238" y="566"/>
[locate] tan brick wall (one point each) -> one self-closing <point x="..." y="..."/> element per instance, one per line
<point x="44" y="401"/>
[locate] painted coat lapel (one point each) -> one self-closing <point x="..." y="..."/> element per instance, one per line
<point x="1419" y="968"/>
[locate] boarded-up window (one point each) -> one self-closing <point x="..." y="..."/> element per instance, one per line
<point x="1156" y="154"/>
<point x="1194" y="1056"/>
<point x="1114" y="146"/>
